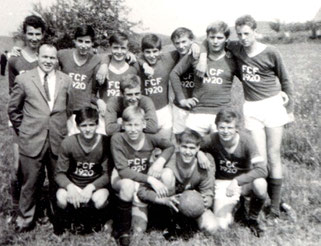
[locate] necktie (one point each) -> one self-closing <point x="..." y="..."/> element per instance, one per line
<point x="46" y="87"/>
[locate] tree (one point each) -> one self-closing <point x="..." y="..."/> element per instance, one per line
<point x="106" y="17"/>
<point x="276" y="25"/>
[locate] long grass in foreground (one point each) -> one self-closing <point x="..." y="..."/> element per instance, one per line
<point x="302" y="185"/>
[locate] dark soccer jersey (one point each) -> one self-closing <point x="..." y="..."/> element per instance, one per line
<point x="18" y="65"/>
<point x="157" y="87"/>
<point x="132" y="163"/>
<point x="84" y="87"/>
<point x="263" y="75"/>
<point x="237" y="165"/>
<point x="81" y="168"/>
<point x="111" y="88"/>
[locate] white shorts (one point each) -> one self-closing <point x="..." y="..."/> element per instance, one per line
<point x="115" y="179"/>
<point x="269" y="112"/>
<point x="202" y="123"/>
<point x="73" y="129"/>
<point x="164" y="117"/>
<point x="179" y="119"/>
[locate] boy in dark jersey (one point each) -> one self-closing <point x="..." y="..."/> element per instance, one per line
<point x="214" y="90"/>
<point x="268" y="106"/>
<point x="131" y="152"/>
<point x="184" y="173"/>
<point x="130" y="88"/>
<point x="240" y="170"/>
<point x="82" y="172"/>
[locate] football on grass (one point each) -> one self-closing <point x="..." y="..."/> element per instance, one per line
<point x="191" y="204"/>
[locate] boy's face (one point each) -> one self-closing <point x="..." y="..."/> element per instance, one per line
<point x="33" y="37"/>
<point x="151" y="55"/>
<point x="119" y="51"/>
<point x="182" y="44"/>
<point x="134" y="128"/>
<point x="132" y="96"/>
<point x="88" y="128"/>
<point x="246" y="35"/>
<point x="47" y="58"/>
<point x="216" y="41"/>
<point x="188" y="152"/>
<point x="83" y="45"/>
<point x="227" y="131"/>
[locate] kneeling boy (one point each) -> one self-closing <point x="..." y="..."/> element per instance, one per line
<point x="131" y="152"/>
<point x="240" y="170"/>
<point x="185" y="174"/>
<point x="82" y="171"/>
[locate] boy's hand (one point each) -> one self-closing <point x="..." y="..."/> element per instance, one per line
<point x="171" y="202"/>
<point x="203" y="161"/>
<point x="101" y="107"/>
<point x="15" y="51"/>
<point x="74" y="195"/>
<point x="208" y="201"/>
<point x="87" y="193"/>
<point x="285" y="98"/>
<point x="160" y="189"/>
<point x="148" y="70"/>
<point x="233" y="188"/>
<point x="195" y="50"/>
<point x="130" y="58"/>
<point x="189" y="103"/>
<point x="102" y="73"/>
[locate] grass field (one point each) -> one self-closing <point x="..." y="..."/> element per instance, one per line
<point x="302" y="185"/>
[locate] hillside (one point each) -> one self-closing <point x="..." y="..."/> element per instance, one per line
<point x="6" y="43"/>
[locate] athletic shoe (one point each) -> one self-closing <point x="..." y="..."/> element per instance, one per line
<point x="240" y="214"/>
<point x="255" y="228"/>
<point x="272" y="218"/>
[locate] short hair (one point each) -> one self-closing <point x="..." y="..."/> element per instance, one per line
<point x="246" y="20"/>
<point x="189" y="136"/>
<point x="48" y="44"/>
<point x="227" y="115"/>
<point x="85" y="30"/>
<point x="180" y="32"/>
<point x="129" y="81"/>
<point x="86" y="114"/>
<point x="151" y="41"/>
<point x="133" y="112"/>
<point x="34" y="21"/>
<point x="219" y="26"/>
<point x="118" y="38"/>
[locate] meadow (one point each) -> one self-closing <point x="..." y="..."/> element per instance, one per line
<point x="301" y="156"/>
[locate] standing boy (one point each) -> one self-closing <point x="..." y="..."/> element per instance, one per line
<point x="214" y="90"/>
<point x="131" y="152"/>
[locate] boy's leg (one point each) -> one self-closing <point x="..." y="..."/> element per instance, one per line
<point x="274" y="140"/>
<point x="223" y="205"/>
<point x="139" y="213"/>
<point x="208" y="223"/>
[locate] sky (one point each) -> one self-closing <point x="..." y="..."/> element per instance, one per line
<point x="163" y="16"/>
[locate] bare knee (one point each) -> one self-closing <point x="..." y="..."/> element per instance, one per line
<point x="61" y="198"/>
<point x="126" y="190"/>
<point x="260" y="188"/>
<point x="168" y="178"/>
<point x="100" y="197"/>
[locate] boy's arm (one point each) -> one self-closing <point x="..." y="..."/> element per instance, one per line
<point x="103" y="180"/>
<point x="150" y="114"/>
<point x="206" y="188"/>
<point x="181" y="67"/>
<point x="62" y="167"/>
<point x="12" y="73"/>
<point x="111" y="112"/>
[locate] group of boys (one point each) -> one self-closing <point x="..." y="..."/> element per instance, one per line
<point x="127" y="142"/>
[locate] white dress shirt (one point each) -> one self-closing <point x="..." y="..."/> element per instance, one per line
<point x="51" y="85"/>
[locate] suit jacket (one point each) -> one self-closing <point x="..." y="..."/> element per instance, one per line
<point x="30" y="114"/>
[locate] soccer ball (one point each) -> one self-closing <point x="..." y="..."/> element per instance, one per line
<point x="191" y="204"/>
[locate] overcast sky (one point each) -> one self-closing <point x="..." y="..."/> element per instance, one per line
<point x="163" y="16"/>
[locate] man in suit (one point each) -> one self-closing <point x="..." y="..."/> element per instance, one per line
<point x="38" y="112"/>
